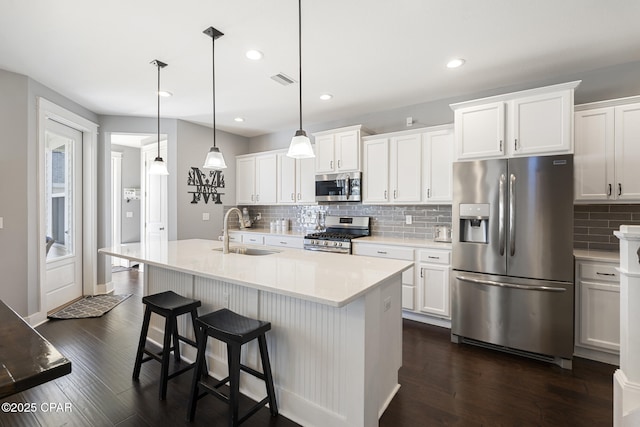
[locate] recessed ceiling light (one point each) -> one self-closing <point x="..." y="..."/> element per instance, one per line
<point x="326" y="96"/>
<point x="165" y="93"/>
<point x="455" y="63"/>
<point x="254" y="54"/>
<point x="239" y="119"/>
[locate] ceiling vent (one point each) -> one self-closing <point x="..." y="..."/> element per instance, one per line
<point x="283" y="79"/>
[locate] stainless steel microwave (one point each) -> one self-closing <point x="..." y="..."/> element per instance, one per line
<point x="339" y="187"/>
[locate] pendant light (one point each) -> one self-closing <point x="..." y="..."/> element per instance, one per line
<point x="158" y="167"/>
<point x="300" y="147"/>
<point x="214" y="159"/>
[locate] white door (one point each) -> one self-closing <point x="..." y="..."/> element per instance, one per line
<point x="155" y="197"/>
<point x="324" y="154"/>
<point x="347" y="146"/>
<point x="406" y="169"/>
<point x="480" y="131"/>
<point x="437" y="166"/>
<point x="306" y="180"/>
<point x="286" y="180"/>
<point x="627" y="146"/>
<point x="246" y="180"/>
<point x="375" y="180"/>
<point x="63" y="202"/>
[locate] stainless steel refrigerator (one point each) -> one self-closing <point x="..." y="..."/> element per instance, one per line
<point x="512" y="237"/>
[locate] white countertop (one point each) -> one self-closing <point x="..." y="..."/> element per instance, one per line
<point x="323" y="277"/>
<point x="591" y="255"/>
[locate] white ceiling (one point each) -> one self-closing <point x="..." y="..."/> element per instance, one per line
<point x="372" y="55"/>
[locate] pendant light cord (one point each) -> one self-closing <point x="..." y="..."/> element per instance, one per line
<point x="213" y="73"/>
<point x="158" y="65"/>
<point x="300" y="56"/>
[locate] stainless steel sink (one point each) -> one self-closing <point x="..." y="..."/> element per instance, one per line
<point x="249" y="251"/>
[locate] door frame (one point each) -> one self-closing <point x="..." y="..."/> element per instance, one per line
<point x="47" y="110"/>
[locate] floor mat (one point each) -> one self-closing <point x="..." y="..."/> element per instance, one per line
<point x="91" y="306"/>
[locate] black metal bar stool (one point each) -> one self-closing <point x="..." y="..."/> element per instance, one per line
<point x="168" y="305"/>
<point x="234" y="330"/>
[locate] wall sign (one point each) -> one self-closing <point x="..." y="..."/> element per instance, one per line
<point x="206" y="185"/>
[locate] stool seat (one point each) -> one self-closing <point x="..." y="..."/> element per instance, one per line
<point x="226" y="325"/>
<point x="234" y="330"/>
<point x="169" y="305"/>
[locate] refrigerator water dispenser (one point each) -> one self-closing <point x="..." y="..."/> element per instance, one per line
<point x="474" y="221"/>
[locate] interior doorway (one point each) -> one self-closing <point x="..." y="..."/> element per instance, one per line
<point x="139" y="201"/>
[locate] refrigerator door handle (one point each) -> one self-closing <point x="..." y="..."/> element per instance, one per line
<point x="501" y="207"/>
<point x="512" y="214"/>
<point x="510" y="285"/>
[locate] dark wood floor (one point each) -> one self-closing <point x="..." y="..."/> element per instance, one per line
<point x="442" y="384"/>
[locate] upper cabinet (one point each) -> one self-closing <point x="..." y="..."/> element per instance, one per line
<point x="533" y="122"/>
<point x="338" y="150"/>
<point x="607" y="151"/>
<point x="295" y="180"/>
<point x="408" y="167"/>
<point x="256" y="179"/>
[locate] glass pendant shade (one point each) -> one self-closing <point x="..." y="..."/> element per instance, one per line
<point x="300" y="147"/>
<point x="214" y="160"/>
<point x="158" y="167"/>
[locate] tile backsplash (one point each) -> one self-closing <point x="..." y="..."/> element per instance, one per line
<point x="386" y="221"/>
<point x="593" y="224"/>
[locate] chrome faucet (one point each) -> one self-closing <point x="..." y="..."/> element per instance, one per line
<point x="225" y="230"/>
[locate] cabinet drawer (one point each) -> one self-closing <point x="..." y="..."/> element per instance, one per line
<point x="235" y="237"/>
<point x="408" y="298"/>
<point x="284" y="241"/>
<point x="394" y="252"/>
<point x="434" y="256"/>
<point x="599" y="272"/>
<point x="253" y="239"/>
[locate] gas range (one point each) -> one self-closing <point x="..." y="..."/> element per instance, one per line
<point x="340" y="230"/>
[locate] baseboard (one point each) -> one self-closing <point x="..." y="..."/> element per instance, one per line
<point x="597" y="355"/>
<point x="436" y="321"/>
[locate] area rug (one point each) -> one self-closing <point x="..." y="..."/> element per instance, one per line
<point x="91" y="306"/>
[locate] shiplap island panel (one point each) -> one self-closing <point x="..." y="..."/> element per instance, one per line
<point x="336" y="338"/>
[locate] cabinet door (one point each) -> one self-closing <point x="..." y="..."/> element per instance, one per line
<point x="594" y="154"/>
<point x="347" y="154"/>
<point x="324" y="154"/>
<point x="375" y="179"/>
<point x="541" y="124"/>
<point x="480" y="131"/>
<point x="437" y="166"/>
<point x="600" y="315"/>
<point x="627" y="129"/>
<point x="405" y="164"/>
<point x="266" y="170"/>
<point x="306" y="181"/>
<point x="433" y="290"/>
<point x="286" y="180"/>
<point x="245" y="180"/>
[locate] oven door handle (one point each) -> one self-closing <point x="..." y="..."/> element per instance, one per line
<point x="510" y="285"/>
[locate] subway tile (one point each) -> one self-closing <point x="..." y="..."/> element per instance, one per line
<point x="601" y="231"/>
<point x="625" y="208"/>
<point x="604" y="246"/>
<point x="611" y="216"/>
<point x="580" y="245"/>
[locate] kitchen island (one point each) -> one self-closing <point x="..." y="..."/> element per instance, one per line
<point x="336" y="339"/>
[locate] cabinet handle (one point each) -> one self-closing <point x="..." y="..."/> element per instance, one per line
<point x="252" y="198"/>
<point x="428" y="193"/>
<point x="382" y="252"/>
<point x="257" y="197"/>
<point x="433" y="257"/>
<point x="500" y="145"/>
<point x="609" y="190"/>
<point x="331" y="164"/>
<point x="299" y="196"/>
<point x="515" y="144"/>
<point x="283" y="243"/>
<point x="339" y="165"/>
<point x="605" y="274"/>
<point x="292" y="196"/>
<point x="385" y="194"/>
<point x="619" y="189"/>
<point x="422" y="272"/>
<point x="395" y="194"/>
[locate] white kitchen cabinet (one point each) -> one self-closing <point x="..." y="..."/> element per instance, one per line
<point x="437" y="166"/>
<point x="256" y="179"/>
<point x="296" y="242"/>
<point x="533" y="122"/>
<point x="433" y="282"/>
<point x="338" y="150"/>
<point x="393" y="252"/>
<point x="607" y="151"/>
<point x="393" y="169"/>
<point x="597" y="311"/>
<point x="295" y="180"/>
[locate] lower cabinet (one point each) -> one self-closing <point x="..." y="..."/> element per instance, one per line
<point x="393" y="252"/>
<point x="433" y="282"/>
<point x="597" y="334"/>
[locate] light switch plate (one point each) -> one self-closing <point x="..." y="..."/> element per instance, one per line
<point x="205" y="216"/>
<point x="1" y="222"/>
<point x="129" y="214"/>
<point x="408" y="219"/>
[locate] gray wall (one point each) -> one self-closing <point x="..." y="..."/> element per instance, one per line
<point x="194" y="144"/>
<point x="130" y="226"/>
<point x="19" y="239"/>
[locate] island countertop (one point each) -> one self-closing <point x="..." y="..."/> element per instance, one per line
<point x="323" y="277"/>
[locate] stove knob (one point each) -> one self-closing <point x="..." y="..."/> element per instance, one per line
<point x="340" y="244"/>
<point x="326" y="243"/>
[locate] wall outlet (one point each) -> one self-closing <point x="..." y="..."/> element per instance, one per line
<point x="408" y="219"/>
<point x="129" y="214"/>
<point x="205" y="216"/>
<point x="409" y="121"/>
<point x="387" y="304"/>
<point x="259" y="216"/>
